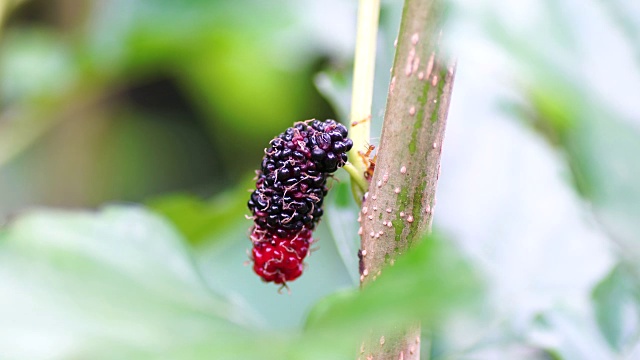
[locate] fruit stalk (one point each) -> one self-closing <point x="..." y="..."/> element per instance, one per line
<point x="362" y="91"/>
<point x="5" y="6"/>
<point x="401" y="199"/>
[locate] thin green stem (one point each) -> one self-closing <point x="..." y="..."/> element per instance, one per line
<point x="362" y="93"/>
<point x="356" y="177"/>
<point x="4" y="9"/>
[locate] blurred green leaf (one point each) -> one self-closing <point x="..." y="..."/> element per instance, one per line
<point x="427" y="284"/>
<point x="119" y="283"/>
<point x="200" y="221"/>
<point x="341" y="213"/>
<point x="598" y="142"/>
<point x="232" y="65"/>
<point x="234" y="61"/>
<point x="568" y="335"/>
<point x="35" y="68"/>
<point x="599" y="146"/>
<point x="624" y="16"/>
<point x="137" y="36"/>
<point x="35" y="65"/>
<point x="617" y="309"/>
<point x="335" y="85"/>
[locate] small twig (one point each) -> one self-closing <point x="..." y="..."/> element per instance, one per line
<point x="356" y="176"/>
<point x="362" y="92"/>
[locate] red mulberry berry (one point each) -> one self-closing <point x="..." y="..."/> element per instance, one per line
<point x="281" y="259"/>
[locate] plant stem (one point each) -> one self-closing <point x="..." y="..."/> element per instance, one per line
<point x="356" y="177"/>
<point x="6" y="6"/>
<point x="4" y="9"/>
<point x="401" y="198"/>
<point x="362" y="92"/>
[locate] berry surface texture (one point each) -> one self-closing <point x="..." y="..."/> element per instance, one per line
<point x="290" y="188"/>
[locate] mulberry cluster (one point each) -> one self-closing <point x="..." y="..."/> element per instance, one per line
<point x="290" y="188"/>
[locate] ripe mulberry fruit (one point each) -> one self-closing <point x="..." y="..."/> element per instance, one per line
<point x="280" y="260"/>
<point x="290" y="188"/>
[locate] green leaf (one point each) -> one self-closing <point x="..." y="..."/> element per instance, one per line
<point x="600" y="147"/>
<point x="427" y="284"/>
<point x="598" y="139"/>
<point x="624" y="17"/>
<point x="617" y="309"/>
<point x="341" y="213"/>
<point x="38" y="71"/>
<point x="569" y="335"/>
<point x="204" y="221"/>
<point x="35" y="65"/>
<point x="116" y="284"/>
<point x="335" y="85"/>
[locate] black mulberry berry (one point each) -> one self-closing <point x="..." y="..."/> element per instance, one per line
<point x="290" y="187"/>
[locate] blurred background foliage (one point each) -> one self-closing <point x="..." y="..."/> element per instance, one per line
<point x="155" y="113"/>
